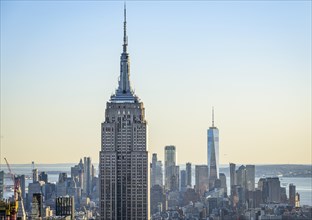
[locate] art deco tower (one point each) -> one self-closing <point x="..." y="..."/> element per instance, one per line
<point x="213" y="153"/>
<point x="124" y="167"/>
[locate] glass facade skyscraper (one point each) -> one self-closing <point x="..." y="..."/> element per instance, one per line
<point x="213" y="153"/>
<point x="171" y="170"/>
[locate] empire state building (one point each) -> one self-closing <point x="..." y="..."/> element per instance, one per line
<point x="124" y="167"/>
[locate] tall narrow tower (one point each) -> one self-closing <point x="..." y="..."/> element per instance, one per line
<point x="213" y="153"/>
<point x="124" y="167"/>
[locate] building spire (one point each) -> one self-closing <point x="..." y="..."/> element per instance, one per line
<point x="124" y="92"/>
<point x="212" y="117"/>
<point x="125" y="37"/>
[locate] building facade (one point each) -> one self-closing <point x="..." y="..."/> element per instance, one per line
<point x="292" y="194"/>
<point x="171" y="170"/>
<point x="183" y="180"/>
<point x="201" y="179"/>
<point x="156" y="171"/>
<point x="232" y="174"/>
<point x="124" y="166"/>
<point x="87" y="177"/>
<point x="65" y="207"/>
<point x="250" y="177"/>
<point x="213" y="153"/>
<point x="189" y="175"/>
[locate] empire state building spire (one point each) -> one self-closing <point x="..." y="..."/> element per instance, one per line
<point x="124" y="93"/>
<point x="125" y="38"/>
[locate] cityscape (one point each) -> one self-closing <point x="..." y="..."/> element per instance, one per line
<point x="128" y="180"/>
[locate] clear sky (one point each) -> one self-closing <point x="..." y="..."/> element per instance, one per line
<point x="251" y="60"/>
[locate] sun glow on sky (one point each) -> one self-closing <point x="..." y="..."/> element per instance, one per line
<point x="251" y="60"/>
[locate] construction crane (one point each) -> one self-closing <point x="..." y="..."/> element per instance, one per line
<point x="16" y="207"/>
<point x="10" y="171"/>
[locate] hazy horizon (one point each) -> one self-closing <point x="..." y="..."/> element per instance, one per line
<point x="251" y="60"/>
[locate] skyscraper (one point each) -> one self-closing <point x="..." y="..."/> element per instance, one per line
<point x="292" y="194"/>
<point x="171" y="171"/>
<point x="232" y="174"/>
<point x="201" y="179"/>
<point x="87" y="179"/>
<point x="223" y="181"/>
<point x="156" y="171"/>
<point x="183" y="180"/>
<point x="241" y="176"/>
<point x="43" y="176"/>
<point x="213" y="153"/>
<point x="271" y="190"/>
<point x="77" y="172"/>
<point x="35" y="175"/>
<point x="250" y="177"/>
<point x="124" y="167"/>
<point x="189" y="175"/>
<point x="153" y="169"/>
<point x="159" y="173"/>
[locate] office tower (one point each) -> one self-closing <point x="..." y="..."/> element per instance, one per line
<point x="159" y="173"/>
<point x="176" y="180"/>
<point x="61" y="186"/>
<point x="62" y="177"/>
<point x="223" y="182"/>
<point x="250" y="177"/>
<point x="93" y="171"/>
<point x="1" y="184"/>
<point x="35" y="175"/>
<point x="213" y="153"/>
<point x="232" y="174"/>
<point x="292" y="194"/>
<point x="124" y="167"/>
<point x="156" y="171"/>
<point x="241" y="176"/>
<point x="77" y="172"/>
<point x="22" y="183"/>
<point x="65" y="207"/>
<point x="171" y="175"/>
<point x="87" y="179"/>
<point x="50" y="189"/>
<point x="37" y="206"/>
<point x="189" y="175"/>
<point x="271" y="190"/>
<point x="261" y="182"/>
<point x="183" y="180"/>
<point x="283" y="195"/>
<point x="158" y="199"/>
<point x="43" y="176"/>
<point x="34" y="188"/>
<point x="73" y="190"/>
<point x="201" y="179"/>
<point x="153" y="170"/>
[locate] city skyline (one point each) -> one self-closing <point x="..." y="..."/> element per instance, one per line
<point x="253" y="67"/>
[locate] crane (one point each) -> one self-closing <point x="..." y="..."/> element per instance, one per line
<point x="16" y="207"/>
<point x="10" y="171"/>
